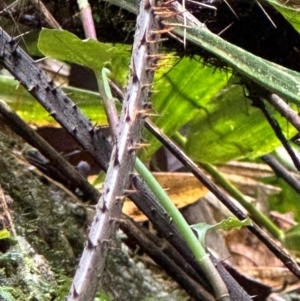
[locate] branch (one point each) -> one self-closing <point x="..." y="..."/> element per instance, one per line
<point x="285" y="110"/>
<point x="72" y="178"/>
<point x="259" y="103"/>
<point x="108" y="210"/>
<point x="282" y="172"/>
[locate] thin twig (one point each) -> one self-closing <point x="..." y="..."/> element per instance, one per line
<point x="87" y="19"/>
<point x="282" y="172"/>
<point x="42" y="9"/>
<point x="259" y="103"/>
<point x="285" y="110"/>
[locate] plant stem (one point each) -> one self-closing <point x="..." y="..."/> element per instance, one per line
<point x="108" y="100"/>
<point x="201" y="256"/>
<point x="87" y="19"/>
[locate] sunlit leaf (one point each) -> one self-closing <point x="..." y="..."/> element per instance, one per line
<point x="181" y="93"/>
<point x="22" y="102"/>
<point x="230" y="128"/>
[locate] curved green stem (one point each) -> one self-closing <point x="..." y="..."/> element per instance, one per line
<point x="176" y="217"/>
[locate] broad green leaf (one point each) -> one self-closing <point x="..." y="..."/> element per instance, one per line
<point x="4" y="234"/>
<point x="230" y="128"/>
<point x="182" y="92"/>
<point x="226" y="224"/>
<point x="21" y="101"/>
<point x="65" y="46"/>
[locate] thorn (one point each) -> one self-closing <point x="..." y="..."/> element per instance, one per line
<point x="31" y="88"/>
<point x="154" y="41"/>
<point x="92" y="129"/>
<point x="116" y="159"/>
<point x="50" y="81"/>
<point x="127" y="118"/>
<point x="143" y="39"/>
<point x="162" y="64"/>
<point x="102" y="205"/>
<point x="57" y="72"/>
<point x="169" y="2"/>
<point x="204" y="5"/>
<point x="74" y="292"/>
<point x="90" y="245"/>
<point x="135" y="78"/>
<point x="267" y="15"/>
<point x="22" y="35"/>
<point x="161" y="56"/>
<point x="74" y="130"/>
<point x="60" y="85"/>
<point x="147" y="85"/>
<point x="179" y="25"/>
<point x="151" y="69"/>
<point x="147" y="5"/>
<point x="13" y="44"/>
<point x="158" y="40"/>
<point x="227" y="27"/>
<point x="168" y="15"/>
<point x="74" y="106"/>
<point x="166" y="30"/>
<point x="175" y="37"/>
<point x="130" y="191"/>
<point x="40" y="60"/>
<point x="146" y="113"/>
<point x="52" y="113"/>
<point x="137" y="147"/>
<point x="232" y="10"/>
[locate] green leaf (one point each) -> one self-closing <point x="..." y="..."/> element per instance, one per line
<point x="233" y="223"/>
<point x="65" y="46"/>
<point x="4" y="234"/>
<point x="273" y="77"/>
<point x="230" y="128"/>
<point x="22" y="102"/>
<point x="182" y="92"/>
<point x="226" y="224"/>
